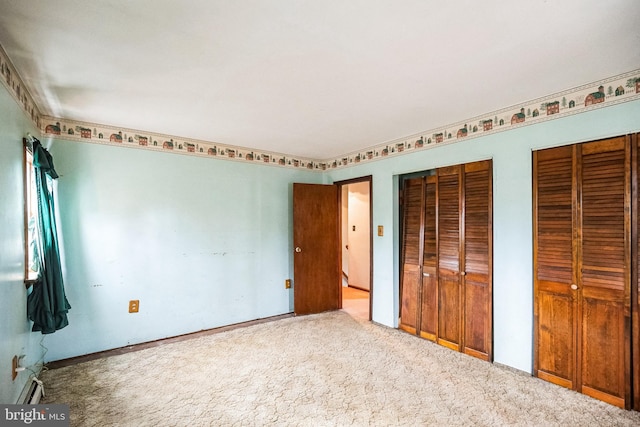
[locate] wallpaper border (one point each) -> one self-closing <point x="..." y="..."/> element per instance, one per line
<point x="17" y="89"/>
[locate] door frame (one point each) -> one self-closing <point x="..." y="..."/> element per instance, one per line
<point x="340" y="184"/>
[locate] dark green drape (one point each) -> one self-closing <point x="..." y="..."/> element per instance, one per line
<point x="47" y="304"/>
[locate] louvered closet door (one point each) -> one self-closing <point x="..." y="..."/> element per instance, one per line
<point x="635" y="276"/>
<point x="411" y="254"/>
<point x="477" y="278"/>
<point x="446" y="286"/>
<point x="582" y="268"/>
<point x="604" y="273"/>
<point x="429" y="309"/>
<point x="555" y="308"/>
<point x="449" y="253"/>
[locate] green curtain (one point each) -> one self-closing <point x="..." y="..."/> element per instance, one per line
<point x="47" y="304"/>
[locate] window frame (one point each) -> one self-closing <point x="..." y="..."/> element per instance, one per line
<point x="30" y="205"/>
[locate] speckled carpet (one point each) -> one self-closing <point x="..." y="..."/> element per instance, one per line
<point x="321" y="370"/>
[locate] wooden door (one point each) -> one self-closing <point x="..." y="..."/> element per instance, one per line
<point x="604" y="270"/>
<point x="412" y="230"/>
<point x="555" y="311"/>
<point x="477" y="256"/>
<point x="582" y="257"/>
<point x="635" y="276"/>
<point x="429" y="289"/>
<point x="316" y="248"/>
<point x="446" y="279"/>
<point x="449" y="257"/>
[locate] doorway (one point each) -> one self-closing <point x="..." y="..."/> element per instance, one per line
<point x="356" y="246"/>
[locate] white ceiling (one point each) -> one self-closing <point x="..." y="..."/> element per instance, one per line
<point x="312" y="78"/>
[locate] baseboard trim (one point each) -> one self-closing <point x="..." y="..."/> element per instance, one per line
<point x="156" y="343"/>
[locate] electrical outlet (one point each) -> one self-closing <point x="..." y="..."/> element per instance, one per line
<point x="134" y="306"/>
<point x="287" y="284"/>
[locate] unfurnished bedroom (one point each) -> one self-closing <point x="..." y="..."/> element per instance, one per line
<point x="319" y="213"/>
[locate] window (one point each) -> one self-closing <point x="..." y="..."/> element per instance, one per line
<point x="31" y="258"/>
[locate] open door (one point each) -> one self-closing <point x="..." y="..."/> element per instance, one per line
<point x="316" y="258"/>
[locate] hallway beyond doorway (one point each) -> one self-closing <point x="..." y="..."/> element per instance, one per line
<point x="355" y="302"/>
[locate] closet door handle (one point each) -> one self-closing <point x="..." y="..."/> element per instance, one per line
<point x="574" y="286"/>
<point x="462" y="273"/>
<point x="426" y="274"/>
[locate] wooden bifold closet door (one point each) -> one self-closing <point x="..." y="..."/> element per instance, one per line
<point x="582" y="268"/>
<point x="446" y="280"/>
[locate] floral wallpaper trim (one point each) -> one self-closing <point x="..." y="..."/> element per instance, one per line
<point x="17" y="89"/>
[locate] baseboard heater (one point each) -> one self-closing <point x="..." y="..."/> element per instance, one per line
<point x="33" y="392"/>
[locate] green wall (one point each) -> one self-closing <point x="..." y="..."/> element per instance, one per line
<point x="15" y="336"/>
<point x="200" y="242"/>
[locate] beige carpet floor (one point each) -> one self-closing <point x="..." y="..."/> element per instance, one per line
<point x="329" y="369"/>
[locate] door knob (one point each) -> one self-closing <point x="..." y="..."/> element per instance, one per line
<point x="298" y="249"/>
<point x="574" y="286"/>
<point x="462" y="273"/>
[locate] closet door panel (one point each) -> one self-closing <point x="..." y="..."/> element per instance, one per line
<point x="477" y="332"/>
<point x="411" y="254"/>
<point x="449" y="310"/>
<point x="429" y="312"/>
<point x="603" y="215"/>
<point x="555" y="310"/>
<point x="555" y="338"/>
<point x="603" y="367"/>
<point x="604" y="269"/>
<point x="449" y="247"/>
<point x="409" y="308"/>
<point x="477" y="259"/>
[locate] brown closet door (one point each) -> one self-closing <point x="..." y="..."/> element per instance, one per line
<point x="429" y="311"/>
<point x="635" y="277"/>
<point x="582" y="273"/>
<point x="604" y="273"/>
<point x="446" y="278"/>
<point x="554" y="308"/>
<point x="449" y="253"/>
<point x="411" y="254"/>
<point x="477" y="280"/>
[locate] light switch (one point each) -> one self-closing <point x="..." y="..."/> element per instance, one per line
<point x="380" y="230"/>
